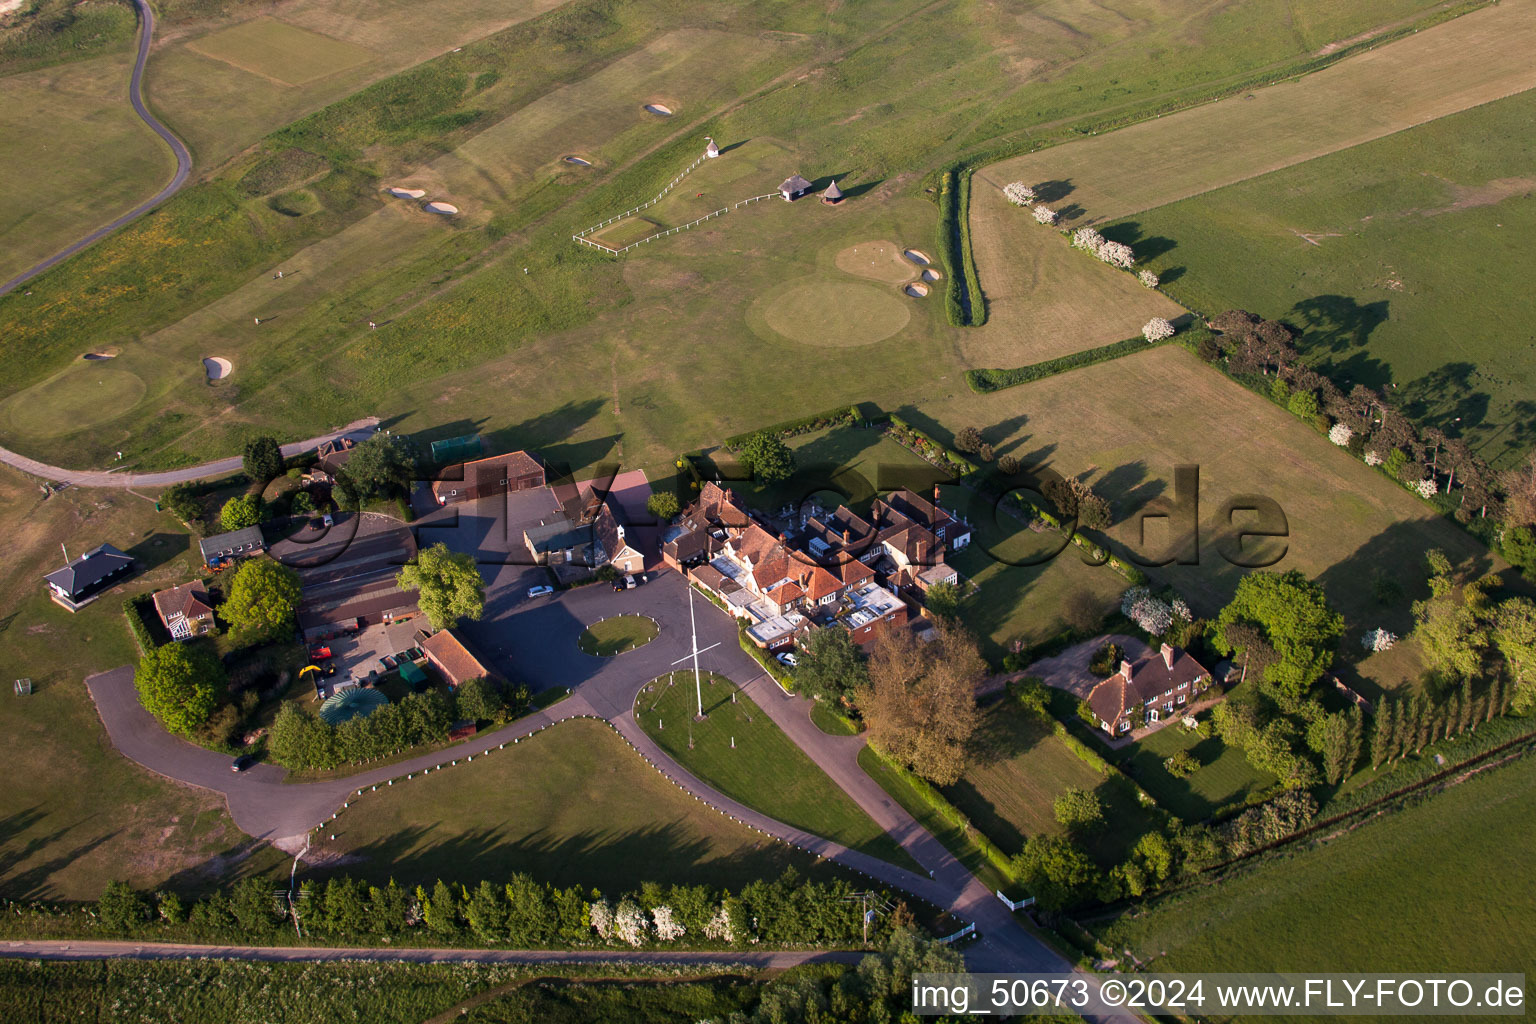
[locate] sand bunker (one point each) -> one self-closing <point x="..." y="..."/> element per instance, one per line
<point x="916" y="289"/>
<point x="218" y="368"/>
<point x="99" y="355"/>
<point x="931" y="275"/>
<point x="578" y="161"/>
<point x="445" y="209"/>
<point x="917" y="256"/>
<point x="406" y="193"/>
<point x="659" y="109"/>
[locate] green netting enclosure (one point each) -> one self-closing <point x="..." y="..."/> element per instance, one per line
<point x="352" y="702"/>
<point x="412" y="673"/>
<point x="456" y="449"/>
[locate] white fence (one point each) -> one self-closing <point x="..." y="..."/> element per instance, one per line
<point x="581" y="236"/>
<point x="969" y="929"/>
<point x="1014" y="904"/>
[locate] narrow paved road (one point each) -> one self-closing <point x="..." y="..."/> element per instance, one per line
<point x="183" y="158"/>
<point x="220" y="467"/>
<point x="80" y="949"/>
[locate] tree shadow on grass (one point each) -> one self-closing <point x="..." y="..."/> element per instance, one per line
<point x="1146" y="247"/>
<point x="612" y="861"/>
<point x="1055" y="190"/>
<point x="1336" y="323"/>
<point x="1446" y="398"/>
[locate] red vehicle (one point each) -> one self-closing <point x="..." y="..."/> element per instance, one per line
<point x="319" y="653"/>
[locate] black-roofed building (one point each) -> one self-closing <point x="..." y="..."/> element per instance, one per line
<point x="82" y="580"/>
<point x="225" y="548"/>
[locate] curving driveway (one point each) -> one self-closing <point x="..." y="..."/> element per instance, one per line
<point x="183" y="158"/>
<point x="542" y="633"/>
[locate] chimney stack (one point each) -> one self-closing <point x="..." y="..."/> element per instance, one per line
<point x="1125" y="670"/>
<point x="1168" y="656"/>
<point x="935" y="495"/>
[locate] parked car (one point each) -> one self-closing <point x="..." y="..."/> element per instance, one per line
<point x="540" y="591"/>
<point x="243" y="762"/>
<point x="327" y="520"/>
<point x="320" y="653"/>
<point x="625" y="583"/>
<point x="787" y="659"/>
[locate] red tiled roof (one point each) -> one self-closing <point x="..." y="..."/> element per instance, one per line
<point x="189" y="600"/>
<point x="452" y="658"/>
<point x="1149" y="680"/>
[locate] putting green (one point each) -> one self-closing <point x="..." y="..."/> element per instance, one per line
<point x="833" y="314"/>
<point x="84" y="395"/>
<point x="877" y="261"/>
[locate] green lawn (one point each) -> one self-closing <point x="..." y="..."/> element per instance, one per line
<point x="843" y="465"/>
<point x="1021" y="580"/>
<point x="740" y="751"/>
<point x="1225" y="776"/>
<point x="75" y="813"/>
<point x="832" y="722"/>
<point x="1377" y="898"/>
<point x="572" y="805"/>
<point x="1019" y="767"/>
<point x="616" y="635"/>
<point x="1370" y="251"/>
<point x="957" y="840"/>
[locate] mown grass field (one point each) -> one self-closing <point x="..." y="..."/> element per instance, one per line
<point x="487" y="128"/>
<point x="616" y="635"/>
<point x="1017" y="770"/>
<point x="1347" y="523"/>
<point x="77" y="814"/>
<point x="1373" y="899"/>
<point x="740" y="751"/>
<point x="72" y="156"/>
<point x="574" y="805"/>
<point x="1371" y="252"/>
<point x="1045" y="302"/>
<point x="1225" y="776"/>
<point x="218" y="79"/>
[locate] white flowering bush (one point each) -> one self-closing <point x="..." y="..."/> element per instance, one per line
<point x="1019" y="194"/>
<point x="1147" y="278"/>
<point x="1117" y="254"/>
<point x="1045" y="215"/>
<point x="1378" y="640"/>
<point x="1157" y="329"/>
<point x="1087" y="239"/>
<point x="629" y="923"/>
<point x="1339" y="434"/>
<point x="1150" y="613"/>
<point x="1181" y="610"/>
<point x="668" y="927"/>
<point x="1373" y="458"/>
<point x="1426" y="488"/>
<point x="719" y="927"/>
<point x="601" y="915"/>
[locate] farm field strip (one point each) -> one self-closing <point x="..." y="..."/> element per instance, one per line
<point x="1407" y="82"/>
<point x="1045" y="301"/>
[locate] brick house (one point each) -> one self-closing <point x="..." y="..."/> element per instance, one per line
<point x="703" y="528"/>
<point x="452" y="659"/>
<point x="186" y="610"/>
<point x="1157" y="686"/>
<point x="482" y="478"/>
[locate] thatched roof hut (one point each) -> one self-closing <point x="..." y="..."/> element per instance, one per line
<point x="833" y="195"/>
